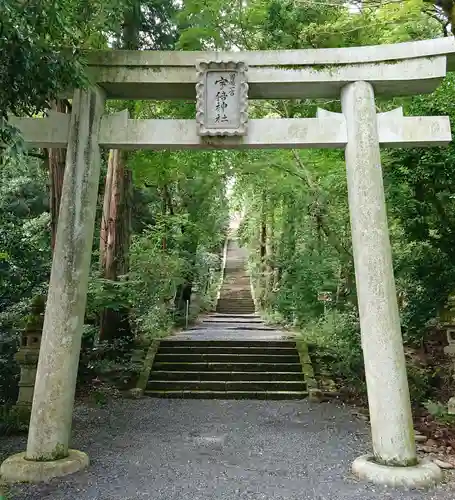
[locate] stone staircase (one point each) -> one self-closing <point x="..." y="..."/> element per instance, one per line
<point x="235" y="296"/>
<point x="227" y="369"/>
<point x="231" y="354"/>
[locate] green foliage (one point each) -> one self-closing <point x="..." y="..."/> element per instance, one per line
<point x="25" y="262"/>
<point x="11" y="423"/>
<point x="420" y="186"/>
<point x="40" y="51"/>
<point x="419" y="383"/>
<point x="337" y="335"/>
<point x="439" y="412"/>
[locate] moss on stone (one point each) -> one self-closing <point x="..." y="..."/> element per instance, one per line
<point x="148" y="365"/>
<point x="412" y="462"/>
<point x="307" y="366"/>
<point x="59" y="452"/>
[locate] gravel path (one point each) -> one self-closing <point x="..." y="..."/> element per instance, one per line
<point x="221" y="450"/>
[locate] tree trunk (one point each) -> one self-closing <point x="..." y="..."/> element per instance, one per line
<point x="57" y="158"/>
<point x="115" y="237"/>
<point x="115" y="241"/>
<point x="104" y="232"/>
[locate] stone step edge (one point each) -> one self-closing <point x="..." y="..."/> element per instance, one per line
<point x="225" y="315"/>
<point x="226" y="355"/>
<point x="228" y="343"/>
<point x="221" y="372"/>
<point x="233" y="311"/>
<point x="207" y="382"/>
<point x="239" y="363"/>
<point x="229" y="359"/>
<point x="218" y="386"/>
<point x="201" y="367"/>
<point x="236" y="349"/>
<point x="234" y="320"/>
<point x="282" y="395"/>
<point x="221" y="351"/>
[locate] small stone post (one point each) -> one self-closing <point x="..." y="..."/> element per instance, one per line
<point x="47" y="452"/>
<point x="385" y="367"/>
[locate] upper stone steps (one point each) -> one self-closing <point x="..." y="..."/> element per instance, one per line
<point x="235" y="293"/>
<point x="234" y="309"/>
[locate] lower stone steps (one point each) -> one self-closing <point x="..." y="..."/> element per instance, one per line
<point x="225" y="369"/>
<point x="219" y="357"/>
<point x="226" y="343"/>
<point x="212" y="375"/>
<point x="217" y="351"/>
<point x="226" y="385"/>
<point x="272" y="395"/>
<point x="229" y="367"/>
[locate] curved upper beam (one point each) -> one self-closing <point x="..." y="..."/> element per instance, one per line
<point x="300" y="57"/>
<point x="398" y="69"/>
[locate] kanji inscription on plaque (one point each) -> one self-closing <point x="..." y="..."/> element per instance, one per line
<point x="222" y="98"/>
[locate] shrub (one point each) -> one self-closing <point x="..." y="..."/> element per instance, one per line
<point x="338" y="335"/>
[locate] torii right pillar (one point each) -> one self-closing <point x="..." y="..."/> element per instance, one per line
<point x="394" y="460"/>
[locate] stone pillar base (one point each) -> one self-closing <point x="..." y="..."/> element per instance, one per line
<point x="16" y="469"/>
<point x="422" y="475"/>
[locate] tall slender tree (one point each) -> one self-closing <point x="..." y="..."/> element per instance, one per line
<point x="146" y="24"/>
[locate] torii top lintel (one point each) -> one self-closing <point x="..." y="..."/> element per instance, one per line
<point x="395" y="69"/>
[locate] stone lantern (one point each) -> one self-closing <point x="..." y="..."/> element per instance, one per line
<point x="27" y="357"/>
<point x="450" y="351"/>
<point x="447" y="317"/>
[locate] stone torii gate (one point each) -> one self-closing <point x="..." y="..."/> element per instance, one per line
<point x="222" y="88"/>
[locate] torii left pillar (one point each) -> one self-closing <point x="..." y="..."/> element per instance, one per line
<point x="48" y="454"/>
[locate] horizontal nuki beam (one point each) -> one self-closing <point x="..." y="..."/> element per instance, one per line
<point x="307" y="80"/>
<point x="328" y="130"/>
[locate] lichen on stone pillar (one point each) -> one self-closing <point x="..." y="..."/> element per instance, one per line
<point x="385" y="366"/>
<point x="53" y="399"/>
